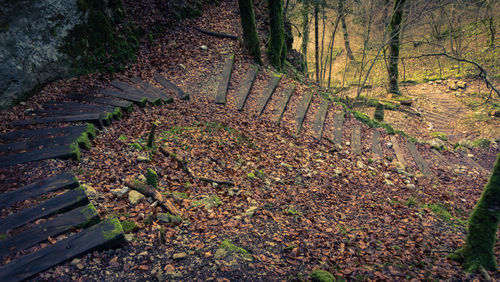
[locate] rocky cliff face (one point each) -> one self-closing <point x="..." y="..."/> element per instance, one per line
<point x="31" y="32"/>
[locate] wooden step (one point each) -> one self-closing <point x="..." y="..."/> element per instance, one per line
<point x="130" y="89"/>
<point x="140" y="101"/>
<point x="96" y="118"/>
<point x="319" y="121"/>
<point x="105" y="235"/>
<point x="376" y="147"/>
<point x="221" y="94"/>
<point x="44" y="133"/>
<point x="399" y="152"/>
<point x="472" y="163"/>
<point x="268" y="92"/>
<point x="61" y="181"/>
<point x="64" y="202"/>
<point x="422" y="165"/>
<point x="151" y="89"/>
<point x="242" y="94"/>
<point x="80" y="217"/>
<point x="302" y="110"/>
<point x="68" y="108"/>
<point x="125" y="105"/>
<point x="167" y="84"/>
<point x="356" y="139"/>
<point x="30" y="145"/>
<point x="338" y="123"/>
<point x="70" y="151"/>
<point x="282" y="104"/>
<point x="443" y="159"/>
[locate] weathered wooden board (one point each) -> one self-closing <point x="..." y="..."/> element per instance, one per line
<point x="242" y="94"/>
<point x="107" y="234"/>
<point x="443" y="159"/>
<point x="65" y="180"/>
<point x="398" y="150"/>
<point x="422" y="165"/>
<point x="141" y="101"/>
<point x="356" y="139"/>
<point x="151" y="89"/>
<point x="268" y="92"/>
<point x="58" y="151"/>
<point x="128" y="88"/>
<point x="319" y="121"/>
<point x="96" y="118"/>
<point x="30" y="145"/>
<point x="111" y="101"/>
<point x="79" y="217"/>
<point x="69" y="200"/>
<point x="70" y="108"/>
<point x="338" y="123"/>
<point x="167" y="84"/>
<point x="221" y="94"/>
<point x="302" y="110"/>
<point x="42" y="133"/>
<point x="472" y="162"/>
<point x="376" y="146"/>
<point x="281" y="107"/>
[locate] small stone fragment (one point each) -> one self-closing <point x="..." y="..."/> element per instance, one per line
<point x="80" y="266"/>
<point x="204" y="47"/>
<point x="135" y="197"/>
<point x="179" y="256"/>
<point x="410" y="186"/>
<point x="89" y="190"/>
<point x="389" y="145"/>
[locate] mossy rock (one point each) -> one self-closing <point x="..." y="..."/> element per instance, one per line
<point x="321" y="276"/>
<point x="209" y="202"/>
<point x="128" y="226"/>
<point x="152" y="178"/>
<point x="439" y="135"/>
<point x="228" y="249"/>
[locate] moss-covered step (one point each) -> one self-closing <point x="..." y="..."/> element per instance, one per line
<point x="98" y="119"/>
<point x="242" y="94"/>
<point x="338" y="123"/>
<point x="281" y="107"/>
<point x="356" y="139"/>
<point x="77" y="218"/>
<point x="140" y="101"/>
<point x="43" y="133"/>
<point x="422" y="165"/>
<point x="376" y="146"/>
<point x="125" y="105"/>
<point x="105" y="235"/>
<point x="167" y="84"/>
<point x="268" y="92"/>
<point x="302" y="110"/>
<point x="152" y="90"/>
<point x="66" y="180"/>
<point x="128" y="88"/>
<point x="64" y="202"/>
<point x="71" y="151"/>
<point x="221" y="94"/>
<point x="74" y="107"/>
<point x="319" y="121"/>
<point x="397" y="149"/>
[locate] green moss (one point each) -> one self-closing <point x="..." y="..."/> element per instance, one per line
<point x="74" y="152"/>
<point x="379" y="112"/>
<point x="91" y="216"/>
<point x="439" y="135"/>
<point x="90" y="130"/>
<point x="482" y="143"/>
<point x="128" y="226"/>
<point x="209" y="202"/>
<point x="251" y="175"/>
<point x="136" y="146"/>
<point x="114" y="229"/>
<point x="231" y="248"/>
<point x="321" y="276"/>
<point x="122" y="137"/>
<point x="3" y="236"/>
<point x="117" y="113"/>
<point x="83" y="141"/>
<point x="180" y="195"/>
<point x="152" y="178"/>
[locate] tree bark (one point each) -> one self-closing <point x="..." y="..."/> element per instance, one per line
<point x="305" y="32"/>
<point x="276" y="50"/>
<point x="394" y="44"/>
<point x="482" y="228"/>
<point x="316" y="39"/>
<point x="250" y="38"/>
<point x="346" y="34"/>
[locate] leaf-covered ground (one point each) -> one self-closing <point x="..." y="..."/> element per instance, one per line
<point x="298" y="204"/>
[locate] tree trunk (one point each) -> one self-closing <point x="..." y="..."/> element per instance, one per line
<point x="305" y="32"/>
<point x="316" y="39"/>
<point x="331" y="51"/>
<point x="346" y="34"/>
<point x="394" y="44"/>
<point x="276" y="33"/>
<point x="250" y="38"/>
<point x="482" y="229"/>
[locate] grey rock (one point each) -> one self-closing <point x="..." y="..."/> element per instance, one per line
<point x="134" y="197"/>
<point x="410" y="186"/>
<point x="179" y="256"/>
<point x="436" y="143"/>
<point x="120" y="192"/>
<point x="389" y="145"/>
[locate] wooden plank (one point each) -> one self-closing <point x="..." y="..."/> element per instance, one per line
<point x="397" y="149"/>
<point x="268" y="92"/>
<point x="422" y="165"/>
<point x="443" y="159"/>
<point x="59" y="151"/>
<point x="338" y="123"/>
<point x="281" y="107"/>
<point x="319" y="121"/>
<point x="167" y="84"/>
<point x="61" y="181"/>
<point x="302" y="110"/>
<point x="96" y="118"/>
<point x="472" y="162"/>
<point x="30" y="145"/>
<point x="221" y="94"/>
<point x="107" y="234"/>
<point x="67" y="201"/>
<point x="42" y="133"/>
<point x="244" y="90"/>
<point x="141" y="101"/>
<point x="128" y="88"/>
<point x="356" y="139"/>
<point x="79" y="217"/>
<point x="69" y="108"/>
<point x="376" y="147"/>
<point x="111" y="101"/>
<point x="148" y="87"/>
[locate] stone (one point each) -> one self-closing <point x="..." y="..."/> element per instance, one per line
<point x="204" y="47"/>
<point x="461" y="84"/>
<point x="388" y="182"/>
<point x="141" y="178"/>
<point x="142" y="159"/>
<point x="129" y="237"/>
<point x="360" y="165"/>
<point x="466" y="143"/>
<point x="410" y="186"/>
<point x="436" y="143"/>
<point x="168" y="218"/>
<point x="89" y="190"/>
<point x="453" y="87"/>
<point x="250" y="211"/>
<point x="387" y="175"/>
<point x="179" y="256"/>
<point x="120" y="192"/>
<point x="389" y="145"/>
<point x="80" y="266"/>
<point x="134" y="197"/>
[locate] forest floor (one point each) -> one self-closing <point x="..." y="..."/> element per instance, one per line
<point x="298" y="204"/>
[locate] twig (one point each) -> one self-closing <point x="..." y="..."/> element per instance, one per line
<point x="217" y="34"/>
<point x="155" y="194"/>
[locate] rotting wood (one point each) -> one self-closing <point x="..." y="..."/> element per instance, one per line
<point x="150" y="191"/>
<point x="319" y="121"/>
<point x="126" y="105"/>
<point x="243" y="92"/>
<point x="128" y="88"/>
<point x="42" y="133"/>
<point x="281" y="107"/>
<point x="267" y="93"/>
<point x="141" y="101"/>
<point x="148" y="87"/>
<point x="221" y="94"/>
<point x="167" y="84"/>
<point x="302" y="110"/>
<point x="70" y="151"/>
<point x="96" y="118"/>
<point x="30" y="145"/>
